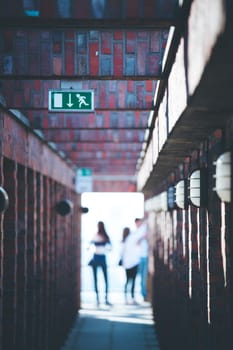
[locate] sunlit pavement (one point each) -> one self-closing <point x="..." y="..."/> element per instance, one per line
<point x="119" y="326"/>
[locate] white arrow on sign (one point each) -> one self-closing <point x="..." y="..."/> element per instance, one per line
<point x="69" y="104"/>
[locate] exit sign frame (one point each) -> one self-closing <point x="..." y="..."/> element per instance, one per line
<point x="69" y="100"/>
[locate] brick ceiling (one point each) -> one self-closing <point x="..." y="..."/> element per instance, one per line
<point x="114" y="48"/>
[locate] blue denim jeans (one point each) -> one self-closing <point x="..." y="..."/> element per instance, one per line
<point x="143" y="271"/>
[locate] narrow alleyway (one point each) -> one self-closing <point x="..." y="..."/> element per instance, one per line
<point x="156" y="77"/>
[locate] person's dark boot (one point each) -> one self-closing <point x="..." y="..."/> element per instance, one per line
<point x="97" y="300"/>
<point x="107" y="301"/>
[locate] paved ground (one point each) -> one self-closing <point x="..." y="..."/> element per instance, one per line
<point x="115" y="327"/>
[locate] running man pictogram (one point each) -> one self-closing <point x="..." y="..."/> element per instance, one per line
<point x="82" y="100"/>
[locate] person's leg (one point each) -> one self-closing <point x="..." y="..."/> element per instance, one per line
<point x="96" y="283"/>
<point x="143" y="275"/>
<point x="133" y="276"/>
<point x="105" y="273"/>
<point x="127" y="273"/>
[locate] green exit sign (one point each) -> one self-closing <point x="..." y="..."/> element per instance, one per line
<point x="71" y="100"/>
<point x="84" y="172"/>
<point x="84" y="180"/>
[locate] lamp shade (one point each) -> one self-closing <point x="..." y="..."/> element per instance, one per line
<point x="198" y="188"/>
<point x="84" y="210"/>
<point x="157" y="203"/>
<point x="64" y="207"/>
<point x="171" y="197"/>
<point x="195" y="188"/>
<point x="223" y="177"/>
<point x="4" y="200"/>
<point x="163" y="199"/>
<point x="181" y="194"/>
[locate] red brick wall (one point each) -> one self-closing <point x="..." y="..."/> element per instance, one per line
<point x="20" y="145"/>
<point x="191" y="283"/>
<point x="84" y="53"/>
<point x="117" y="9"/>
<point x="39" y="249"/>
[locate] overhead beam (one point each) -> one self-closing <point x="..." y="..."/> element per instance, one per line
<point x="96" y="142"/>
<point x="119" y="147"/>
<point x="76" y="157"/>
<point x="108" y="177"/>
<point x="82" y="55"/>
<point x="94" y="128"/>
<point x="109" y="95"/>
<point x="71" y="23"/>
<point x="103" y="154"/>
<point x="99" y="110"/>
<point x="75" y="77"/>
<point x="106" y="162"/>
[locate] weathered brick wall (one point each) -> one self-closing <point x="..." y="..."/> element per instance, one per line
<point x="31" y="97"/>
<point x="84" y="53"/>
<point x="114" y="9"/>
<point x="22" y="146"/>
<point x="113" y="186"/>
<point x="39" y="249"/>
<point x="190" y="271"/>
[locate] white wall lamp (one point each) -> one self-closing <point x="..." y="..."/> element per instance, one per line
<point x="163" y="199"/>
<point x="4" y="200"/>
<point x="157" y="203"/>
<point x="198" y="188"/>
<point x="181" y="198"/>
<point x="223" y="177"/>
<point x="171" y="198"/>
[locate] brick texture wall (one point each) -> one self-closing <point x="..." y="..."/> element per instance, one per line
<point x="83" y="53"/>
<point x="111" y="9"/>
<point x="39" y="249"/>
<point x="190" y="263"/>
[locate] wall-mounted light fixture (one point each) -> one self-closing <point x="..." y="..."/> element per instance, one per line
<point x="64" y="207"/>
<point x="223" y="177"/>
<point x="157" y="203"/>
<point x="83" y="210"/>
<point x="4" y="200"/>
<point x="198" y="188"/>
<point x="181" y="198"/>
<point x="171" y="198"/>
<point x="163" y="200"/>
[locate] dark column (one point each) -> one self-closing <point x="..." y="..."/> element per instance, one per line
<point x="21" y="258"/>
<point x="45" y="273"/>
<point x="10" y="257"/>
<point x="31" y="261"/>
<point x="39" y="262"/>
<point x="51" y="261"/>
